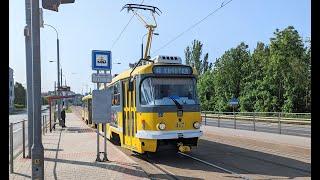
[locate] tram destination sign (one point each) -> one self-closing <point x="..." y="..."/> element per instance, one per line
<point x="101" y="60"/>
<point x="184" y="70"/>
<point x="101" y="78"/>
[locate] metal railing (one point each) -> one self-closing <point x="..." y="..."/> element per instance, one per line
<point x="44" y="127"/>
<point x="212" y="118"/>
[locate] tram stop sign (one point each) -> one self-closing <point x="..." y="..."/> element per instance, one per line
<point x="234" y="102"/>
<point x="101" y="106"/>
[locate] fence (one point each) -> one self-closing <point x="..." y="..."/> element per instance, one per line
<point x="44" y="128"/>
<point x="282" y="123"/>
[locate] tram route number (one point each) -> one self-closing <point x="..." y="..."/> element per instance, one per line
<point x="180" y="125"/>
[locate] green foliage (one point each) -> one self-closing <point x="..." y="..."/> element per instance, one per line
<point x="19" y="106"/>
<point x="193" y="57"/>
<point x="275" y="77"/>
<point x="44" y="100"/>
<point x="68" y="110"/>
<point x="19" y="94"/>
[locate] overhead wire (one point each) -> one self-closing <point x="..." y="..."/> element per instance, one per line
<point x="123" y="29"/>
<point x="192" y="26"/>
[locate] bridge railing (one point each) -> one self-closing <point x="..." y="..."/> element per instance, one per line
<point x="278" y="118"/>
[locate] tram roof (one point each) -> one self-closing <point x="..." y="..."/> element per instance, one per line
<point x="144" y="69"/>
<point x="87" y="97"/>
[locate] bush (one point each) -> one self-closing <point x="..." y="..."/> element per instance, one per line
<point x="19" y="106"/>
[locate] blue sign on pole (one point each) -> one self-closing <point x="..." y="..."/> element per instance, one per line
<point x="234" y="101"/>
<point x="101" y="60"/>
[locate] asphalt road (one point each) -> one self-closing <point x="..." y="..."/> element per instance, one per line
<point x="289" y="129"/>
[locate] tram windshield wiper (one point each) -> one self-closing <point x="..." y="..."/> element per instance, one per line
<point x="179" y="106"/>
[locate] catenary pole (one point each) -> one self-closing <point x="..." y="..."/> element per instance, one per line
<point x="37" y="147"/>
<point x="27" y="34"/>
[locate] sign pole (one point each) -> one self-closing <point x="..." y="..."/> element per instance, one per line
<point x="105" y="158"/>
<point x="101" y="60"/>
<point x="98" y="140"/>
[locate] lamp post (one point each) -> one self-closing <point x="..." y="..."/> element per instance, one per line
<point x="58" y="68"/>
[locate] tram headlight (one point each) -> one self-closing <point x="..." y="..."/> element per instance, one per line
<point x="161" y="126"/>
<point x="196" y="125"/>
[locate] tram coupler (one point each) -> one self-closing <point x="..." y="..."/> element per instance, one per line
<point x="183" y="148"/>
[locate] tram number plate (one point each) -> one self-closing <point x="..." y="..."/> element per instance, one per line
<point x="180" y="124"/>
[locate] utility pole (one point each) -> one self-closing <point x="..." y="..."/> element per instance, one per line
<point x="58" y="74"/>
<point x="27" y="34"/>
<point x="37" y="147"/>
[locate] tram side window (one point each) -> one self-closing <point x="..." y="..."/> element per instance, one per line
<point x="116" y="95"/>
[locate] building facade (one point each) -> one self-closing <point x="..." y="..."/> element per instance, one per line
<point x="11" y="90"/>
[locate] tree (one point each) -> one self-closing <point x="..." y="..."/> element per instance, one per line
<point x="19" y="94"/>
<point x="254" y="90"/>
<point x="287" y="71"/>
<point x="206" y="93"/>
<point x="229" y="76"/>
<point x="193" y="57"/>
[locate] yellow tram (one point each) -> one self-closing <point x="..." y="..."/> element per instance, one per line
<point x="86" y="111"/>
<point x="155" y="107"/>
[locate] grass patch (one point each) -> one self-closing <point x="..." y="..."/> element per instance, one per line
<point x="69" y="110"/>
<point x="19" y="106"/>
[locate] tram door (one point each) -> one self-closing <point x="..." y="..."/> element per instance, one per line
<point x="128" y="114"/>
<point x="90" y="111"/>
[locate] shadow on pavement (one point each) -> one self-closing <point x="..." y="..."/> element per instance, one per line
<point x="24" y="175"/>
<point x="139" y="172"/>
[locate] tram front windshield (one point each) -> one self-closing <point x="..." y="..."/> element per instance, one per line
<point x="162" y="91"/>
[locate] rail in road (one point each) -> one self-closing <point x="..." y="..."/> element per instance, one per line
<point x="298" y="124"/>
<point x="221" y="155"/>
<point x="219" y="159"/>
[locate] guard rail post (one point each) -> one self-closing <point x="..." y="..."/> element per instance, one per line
<point x="279" y="122"/>
<point x="43" y="124"/>
<point x="23" y="140"/>
<point x="234" y="116"/>
<point x="11" y="147"/>
<point x="254" y="121"/>
<point x="218" y="119"/>
<point x="205" y="118"/>
<point x="45" y="120"/>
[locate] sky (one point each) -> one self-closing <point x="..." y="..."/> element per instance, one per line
<point x="95" y="25"/>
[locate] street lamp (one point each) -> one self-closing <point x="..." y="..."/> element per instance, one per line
<point x="156" y="34"/>
<point x="58" y="68"/>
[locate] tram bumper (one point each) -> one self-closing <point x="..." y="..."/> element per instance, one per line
<point x="172" y="140"/>
<point x="145" y="134"/>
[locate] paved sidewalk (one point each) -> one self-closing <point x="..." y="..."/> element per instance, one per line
<point x="70" y="153"/>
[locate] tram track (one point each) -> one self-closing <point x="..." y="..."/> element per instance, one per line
<point x="215" y="166"/>
<point x="169" y="174"/>
<point x="200" y="164"/>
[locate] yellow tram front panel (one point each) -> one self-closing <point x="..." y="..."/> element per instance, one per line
<point x="171" y="120"/>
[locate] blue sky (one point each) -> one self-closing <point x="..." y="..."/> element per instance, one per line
<point x="94" y="25"/>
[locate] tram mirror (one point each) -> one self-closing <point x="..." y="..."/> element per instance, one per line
<point x="130" y="86"/>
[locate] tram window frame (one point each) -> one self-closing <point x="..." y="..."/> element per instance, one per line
<point x="116" y="94"/>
